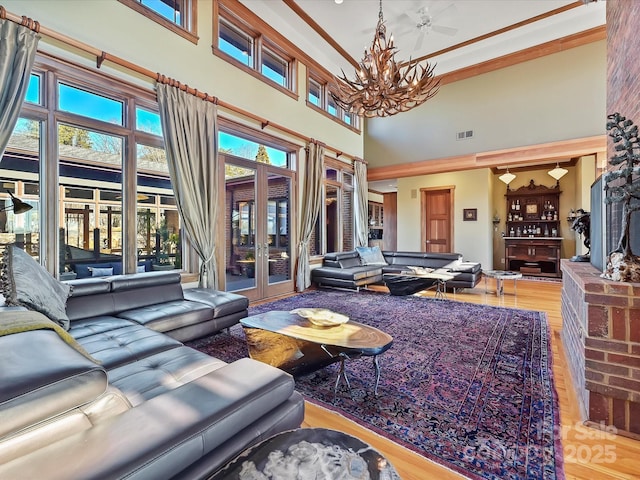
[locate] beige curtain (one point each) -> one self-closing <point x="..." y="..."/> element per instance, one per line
<point x="311" y="198"/>
<point x="18" y="46"/>
<point x="189" y="126"/>
<point x="362" y="204"/>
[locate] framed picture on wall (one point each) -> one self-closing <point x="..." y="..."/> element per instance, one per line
<point x="470" y="214"/>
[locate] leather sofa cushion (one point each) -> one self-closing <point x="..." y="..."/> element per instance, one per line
<point x="144" y="280"/>
<point x="126" y="344"/>
<point x="43" y="377"/>
<point x="162" y="372"/>
<point x="165" y="435"/>
<point x="91" y="326"/>
<point x="90" y="286"/>
<point x="166" y="316"/>
<point x="465" y="267"/>
<point x="223" y="303"/>
<point x="354" y="273"/>
<point x="108" y="405"/>
<point x="421" y="259"/>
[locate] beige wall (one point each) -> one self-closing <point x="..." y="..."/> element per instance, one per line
<point x="111" y="26"/>
<point x="472" y="190"/>
<point x="556" y="97"/>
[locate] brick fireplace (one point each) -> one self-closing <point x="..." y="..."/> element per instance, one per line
<point x="601" y="338"/>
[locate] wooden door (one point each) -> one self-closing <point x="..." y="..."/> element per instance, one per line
<point x="437" y="223"/>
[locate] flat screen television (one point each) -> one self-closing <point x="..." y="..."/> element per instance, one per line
<point x="598" y="223"/>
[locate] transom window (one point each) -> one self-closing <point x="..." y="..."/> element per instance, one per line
<point x="176" y="15"/>
<point x="74" y="100"/>
<point x="318" y="97"/>
<point x="236" y="43"/>
<point x="243" y="148"/>
<point x="247" y="48"/>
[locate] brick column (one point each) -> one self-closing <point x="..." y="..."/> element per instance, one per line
<point x="601" y="338"/>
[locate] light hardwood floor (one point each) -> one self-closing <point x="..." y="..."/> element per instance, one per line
<point x="590" y="454"/>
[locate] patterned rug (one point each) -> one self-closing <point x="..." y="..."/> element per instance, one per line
<point x="465" y="385"/>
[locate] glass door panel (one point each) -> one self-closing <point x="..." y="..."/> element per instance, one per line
<point x="278" y="215"/>
<point x="240" y="234"/>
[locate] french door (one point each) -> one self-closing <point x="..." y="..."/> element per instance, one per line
<point x="258" y="232"/>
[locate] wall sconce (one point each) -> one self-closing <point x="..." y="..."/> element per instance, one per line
<point x="17" y="205"/>
<point x="507" y="177"/>
<point x="558" y="172"/>
<point x="496" y="222"/>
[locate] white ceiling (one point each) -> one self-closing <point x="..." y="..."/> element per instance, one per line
<point x="352" y="23"/>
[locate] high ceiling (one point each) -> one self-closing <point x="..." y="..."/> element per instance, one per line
<point x="462" y="32"/>
<point x="351" y="26"/>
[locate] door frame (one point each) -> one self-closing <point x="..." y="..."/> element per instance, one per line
<point x="423" y="214"/>
<point x="262" y="288"/>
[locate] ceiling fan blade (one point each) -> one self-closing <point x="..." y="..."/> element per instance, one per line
<point x="451" y="8"/>
<point x="444" y="30"/>
<point x="420" y="40"/>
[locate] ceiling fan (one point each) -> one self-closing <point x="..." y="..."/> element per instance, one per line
<point x="425" y="22"/>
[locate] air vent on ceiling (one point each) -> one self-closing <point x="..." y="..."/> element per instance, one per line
<point x="464" y="135"/>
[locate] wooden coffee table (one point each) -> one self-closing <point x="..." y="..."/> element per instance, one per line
<point x="291" y="343"/>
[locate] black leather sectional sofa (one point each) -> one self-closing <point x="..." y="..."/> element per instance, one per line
<point x="150" y="407"/>
<point x="345" y="269"/>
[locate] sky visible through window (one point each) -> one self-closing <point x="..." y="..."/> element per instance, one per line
<point x="87" y="104"/>
<point x="243" y="148"/>
<point x="90" y="105"/>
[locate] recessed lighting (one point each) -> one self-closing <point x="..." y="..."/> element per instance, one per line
<point x="338" y="2"/>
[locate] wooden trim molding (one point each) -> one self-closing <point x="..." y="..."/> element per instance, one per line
<point x="514" y="157"/>
<point x="320" y="31"/>
<point x="555" y="46"/>
<point x="500" y="31"/>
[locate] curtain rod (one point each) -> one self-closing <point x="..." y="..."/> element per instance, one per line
<point x="102" y="56"/>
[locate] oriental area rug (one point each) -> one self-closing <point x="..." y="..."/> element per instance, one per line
<point x="465" y="385"/>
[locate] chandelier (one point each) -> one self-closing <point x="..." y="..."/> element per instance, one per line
<point x="382" y="87"/>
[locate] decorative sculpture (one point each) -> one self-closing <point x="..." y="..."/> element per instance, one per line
<point x="582" y="226"/>
<point x="621" y="186"/>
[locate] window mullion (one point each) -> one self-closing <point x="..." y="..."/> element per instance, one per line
<point x="258" y="45"/>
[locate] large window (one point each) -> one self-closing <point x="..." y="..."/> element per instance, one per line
<point x="250" y="49"/>
<point x="19" y="175"/>
<point x="113" y="179"/>
<point x="178" y="16"/>
<point x="334" y="230"/>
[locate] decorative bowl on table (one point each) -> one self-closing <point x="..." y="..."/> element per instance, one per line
<point x="321" y="317"/>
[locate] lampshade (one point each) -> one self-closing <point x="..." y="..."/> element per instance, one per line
<point x="507" y="177"/>
<point x="558" y="172"/>
<point x="17" y="205"/>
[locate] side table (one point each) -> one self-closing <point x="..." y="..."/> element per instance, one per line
<point x="501" y="276"/>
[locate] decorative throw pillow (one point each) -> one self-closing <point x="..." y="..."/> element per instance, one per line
<point x="26" y="283"/>
<point x="101" y="272"/>
<point x="371" y="256"/>
<point x="140" y="269"/>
